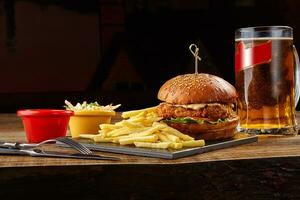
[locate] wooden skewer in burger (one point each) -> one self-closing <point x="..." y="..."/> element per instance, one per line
<point x="200" y="105"/>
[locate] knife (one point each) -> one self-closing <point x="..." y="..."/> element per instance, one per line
<point x="52" y="154"/>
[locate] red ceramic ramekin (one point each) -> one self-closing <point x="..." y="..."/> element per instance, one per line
<point x="44" y="124"/>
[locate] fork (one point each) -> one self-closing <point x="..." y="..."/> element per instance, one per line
<point x="79" y="147"/>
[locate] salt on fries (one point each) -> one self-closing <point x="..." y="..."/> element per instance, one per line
<point x="143" y="129"/>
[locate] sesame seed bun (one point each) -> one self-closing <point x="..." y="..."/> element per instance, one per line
<point x="197" y="88"/>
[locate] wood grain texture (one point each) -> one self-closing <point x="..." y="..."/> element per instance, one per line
<point x="268" y="169"/>
<point x="11" y="129"/>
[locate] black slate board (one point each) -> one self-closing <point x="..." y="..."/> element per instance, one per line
<point x="162" y="153"/>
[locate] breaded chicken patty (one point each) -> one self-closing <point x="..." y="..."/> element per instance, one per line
<point x="209" y="111"/>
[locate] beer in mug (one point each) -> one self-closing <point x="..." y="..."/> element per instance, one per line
<point x="266" y="71"/>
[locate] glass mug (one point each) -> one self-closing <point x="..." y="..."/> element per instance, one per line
<point x="267" y="80"/>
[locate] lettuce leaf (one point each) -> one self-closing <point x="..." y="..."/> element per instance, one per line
<point x="218" y="121"/>
<point x="187" y="120"/>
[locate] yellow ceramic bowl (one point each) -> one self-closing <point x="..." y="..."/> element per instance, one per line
<point x="88" y="121"/>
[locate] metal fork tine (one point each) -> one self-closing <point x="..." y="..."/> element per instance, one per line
<point x="66" y="141"/>
<point x="81" y="148"/>
<point x="73" y="144"/>
<point x="79" y="145"/>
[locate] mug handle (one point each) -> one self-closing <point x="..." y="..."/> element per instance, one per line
<point x="297" y="75"/>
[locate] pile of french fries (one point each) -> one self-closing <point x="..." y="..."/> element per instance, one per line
<point x="143" y="128"/>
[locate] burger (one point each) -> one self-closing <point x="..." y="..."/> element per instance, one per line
<point x="200" y="105"/>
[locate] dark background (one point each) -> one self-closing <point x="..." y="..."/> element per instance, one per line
<point x="117" y="51"/>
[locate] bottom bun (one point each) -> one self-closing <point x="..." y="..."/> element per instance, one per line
<point x="208" y="131"/>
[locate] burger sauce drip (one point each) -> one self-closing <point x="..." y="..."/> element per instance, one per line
<point x="195" y="52"/>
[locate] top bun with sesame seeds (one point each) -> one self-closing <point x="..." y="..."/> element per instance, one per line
<point x="197" y="88"/>
<point x="200" y="105"/>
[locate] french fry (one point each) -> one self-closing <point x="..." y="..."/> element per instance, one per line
<point x="99" y="139"/>
<point x="133" y="135"/>
<point x="124" y="131"/>
<point x="160" y="145"/>
<point x="142" y="133"/>
<point x="152" y="130"/>
<point x="115" y="140"/>
<point x="137" y="119"/>
<point x="195" y="143"/>
<point x="175" y="145"/>
<point x="150" y="120"/>
<point x="178" y="134"/>
<point x="150" y="138"/>
<point x="129" y="124"/>
<point x="87" y="136"/>
<point x="162" y="137"/>
<point x="118" y="132"/>
<point x="132" y="113"/>
<point x="109" y="126"/>
<point x="102" y="134"/>
<point x="142" y="114"/>
<point x="172" y="138"/>
<point x="175" y="132"/>
<point x="121" y="137"/>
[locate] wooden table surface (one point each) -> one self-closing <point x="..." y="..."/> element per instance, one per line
<point x="266" y="169"/>
<point x="11" y="129"/>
